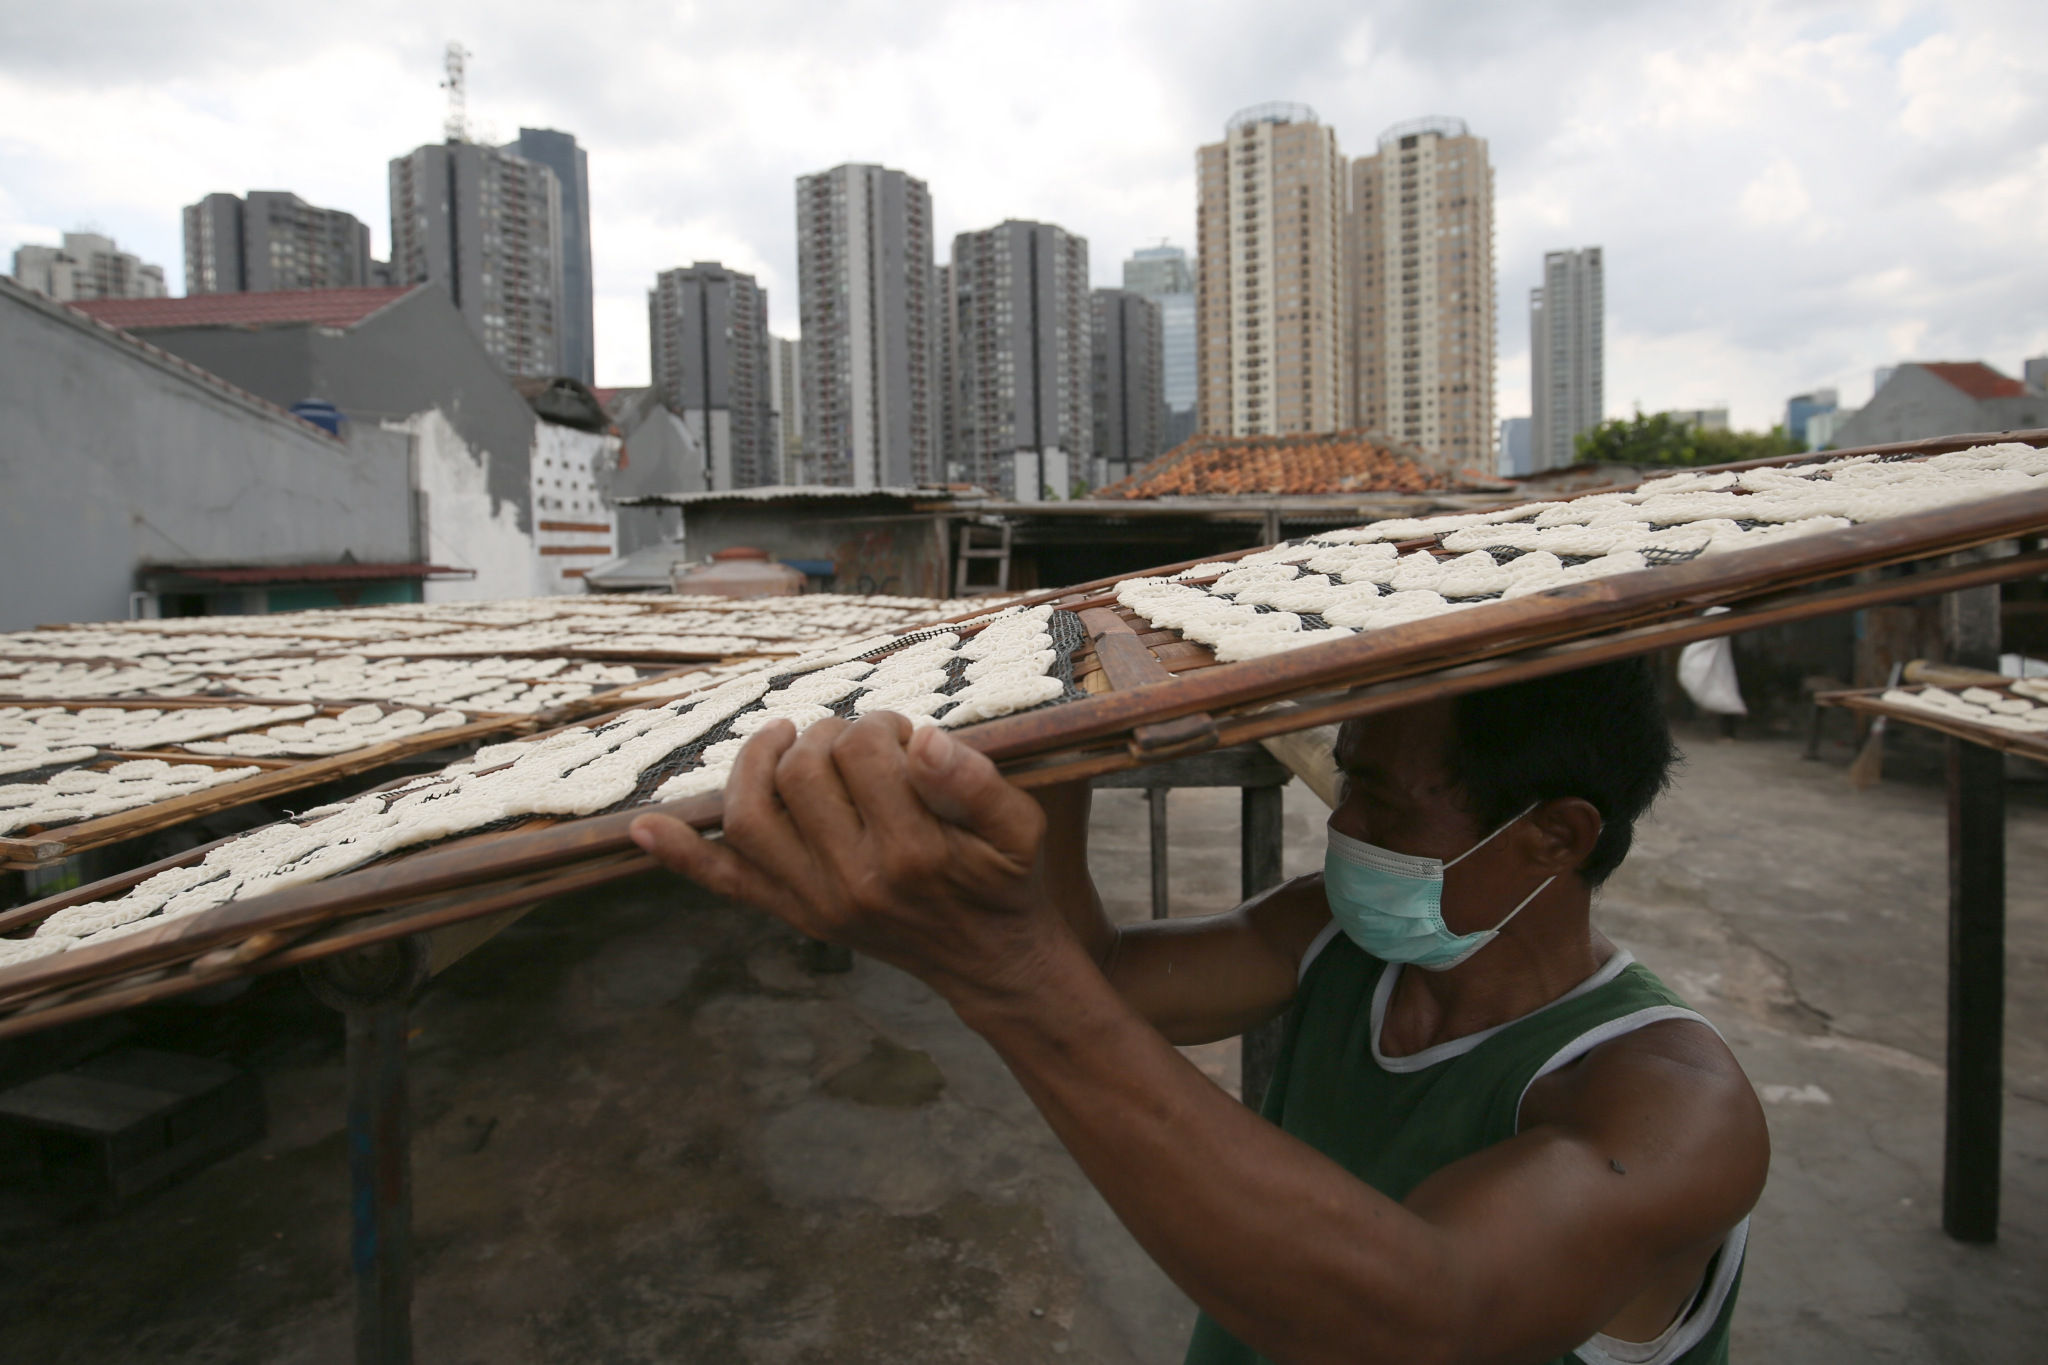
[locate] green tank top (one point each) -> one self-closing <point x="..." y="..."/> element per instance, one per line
<point x="1392" y="1122"/>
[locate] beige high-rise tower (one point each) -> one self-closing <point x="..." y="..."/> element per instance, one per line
<point x="1421" y="269"/>
<point x="1270" y="300"/>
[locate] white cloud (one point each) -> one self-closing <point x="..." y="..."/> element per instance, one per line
<point x="1777" y="198"/>
<point x="1787" y="195"/>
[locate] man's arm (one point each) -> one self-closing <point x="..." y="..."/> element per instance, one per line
<point x="1197" y="979"/>
<point x="1518" y="1253"/>
<point x="914" y="849"/>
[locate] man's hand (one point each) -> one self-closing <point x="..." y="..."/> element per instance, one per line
<point x="905" y="844"/>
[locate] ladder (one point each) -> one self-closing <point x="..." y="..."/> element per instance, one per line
<point x="981" y="540"/>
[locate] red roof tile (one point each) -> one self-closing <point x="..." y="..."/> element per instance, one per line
<point x="1975" y="378"/>
<point x="317" y="307"/>
<point x="1323" y="462"/>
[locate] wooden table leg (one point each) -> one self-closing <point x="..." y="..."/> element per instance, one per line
<point x="1155" y="799"/>
<point x="1976" y="991"/>
<point x="1259" y="863"/>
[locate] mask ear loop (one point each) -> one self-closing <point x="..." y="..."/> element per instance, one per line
<point x="1489" y="838"/>
<point x="1525" y="900"/>
<point x="1539" y="886"/>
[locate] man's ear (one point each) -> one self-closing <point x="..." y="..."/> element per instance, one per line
<point x="1562" y="833"/>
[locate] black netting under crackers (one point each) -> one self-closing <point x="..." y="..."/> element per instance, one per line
<point x="37" y="776"/>
<point x="1658" y="555"/>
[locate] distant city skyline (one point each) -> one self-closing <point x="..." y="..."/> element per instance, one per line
<point x="1788" y="198"/>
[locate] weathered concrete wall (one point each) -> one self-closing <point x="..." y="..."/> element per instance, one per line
<point x="414" y="355"/>
<point x="575" y="528"/>
<point x="110" y="458"/>
<point x="463" y="524"/>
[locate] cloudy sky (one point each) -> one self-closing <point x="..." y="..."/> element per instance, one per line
<point x="1789" y="194"/>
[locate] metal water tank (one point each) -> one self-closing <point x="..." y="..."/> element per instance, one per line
<point x="741" y="571"/>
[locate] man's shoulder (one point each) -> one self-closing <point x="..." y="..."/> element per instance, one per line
<point x="1288" y="917"/>
<point x="1676" y="1075"/>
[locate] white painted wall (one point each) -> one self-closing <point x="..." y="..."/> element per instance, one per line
<point x="465" y="527"/>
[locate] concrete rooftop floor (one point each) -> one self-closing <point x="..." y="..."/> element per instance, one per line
<point x="646" y="1133"/>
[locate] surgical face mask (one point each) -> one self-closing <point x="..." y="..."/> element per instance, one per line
<point x="1391" y="904"/>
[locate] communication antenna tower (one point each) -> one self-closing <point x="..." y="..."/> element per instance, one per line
<point x="456" y="127"/>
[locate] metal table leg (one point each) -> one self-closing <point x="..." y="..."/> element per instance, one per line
<point x="373" y="988"/>
<point x="1259" y="862"/>
<point x="1976" y="941"/>
<point x="1976" y="991"/>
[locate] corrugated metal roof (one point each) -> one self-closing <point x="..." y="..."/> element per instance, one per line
<point x="277" y="307"/>
<point x="798" y="493"/>
<point x="255" y="575"/>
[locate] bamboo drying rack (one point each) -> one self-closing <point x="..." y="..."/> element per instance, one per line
<point x="1150" y="697"/>
<point x="281" y="776"/>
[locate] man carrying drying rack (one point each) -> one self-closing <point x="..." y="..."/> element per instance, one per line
<point x="1491" y="1135"/>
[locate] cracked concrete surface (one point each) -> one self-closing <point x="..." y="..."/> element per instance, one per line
<point x="646" y="1133"/>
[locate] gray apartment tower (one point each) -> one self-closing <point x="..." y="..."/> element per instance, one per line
<point x="864" y="295"/>
<point x="708" y="333"/>
<point x="1162" y="274"/>
<point x="571" y="164"/>
<point x="87" y="266"/>
<point x="1130" y="367"/>
<point x="1025" y="333"/>
<point x="487" y="225"/>
<point x="786" y="398"/>
<point x="1567" y="357"/>
<point x="272" y="240"/>
<point x="952" y="462"/>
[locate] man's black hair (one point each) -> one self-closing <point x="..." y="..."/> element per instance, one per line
<point x="1598" y="734"/>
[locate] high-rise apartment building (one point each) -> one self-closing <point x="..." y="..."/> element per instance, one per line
<point x="1567" y="355"/>
<point x="708" y="329"/>
<point x="951" y="465"/>
<point x="87" y="266"/>
<point x="1270" y="340"/>
<point x="1163" y="275"/>
<point x="1422" y="312"/>
<point x="571" y="164"/>
<point x="786" y="399"/>
<point x="487" y="225"/>
<point x="1130" y="369"/>
<point x="1025" y="332"/>
<point x="272" y="240"/>
<point x="864" y="294"/>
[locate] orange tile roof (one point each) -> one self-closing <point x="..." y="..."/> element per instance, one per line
<point x="1975" y="378"/>
<point x="1322" y="462"/>
<point x="318" y="307"/>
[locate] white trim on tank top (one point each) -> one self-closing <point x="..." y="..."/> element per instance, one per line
<point x="1458" y="1047"/>
<point x="1698" y="1318"/>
